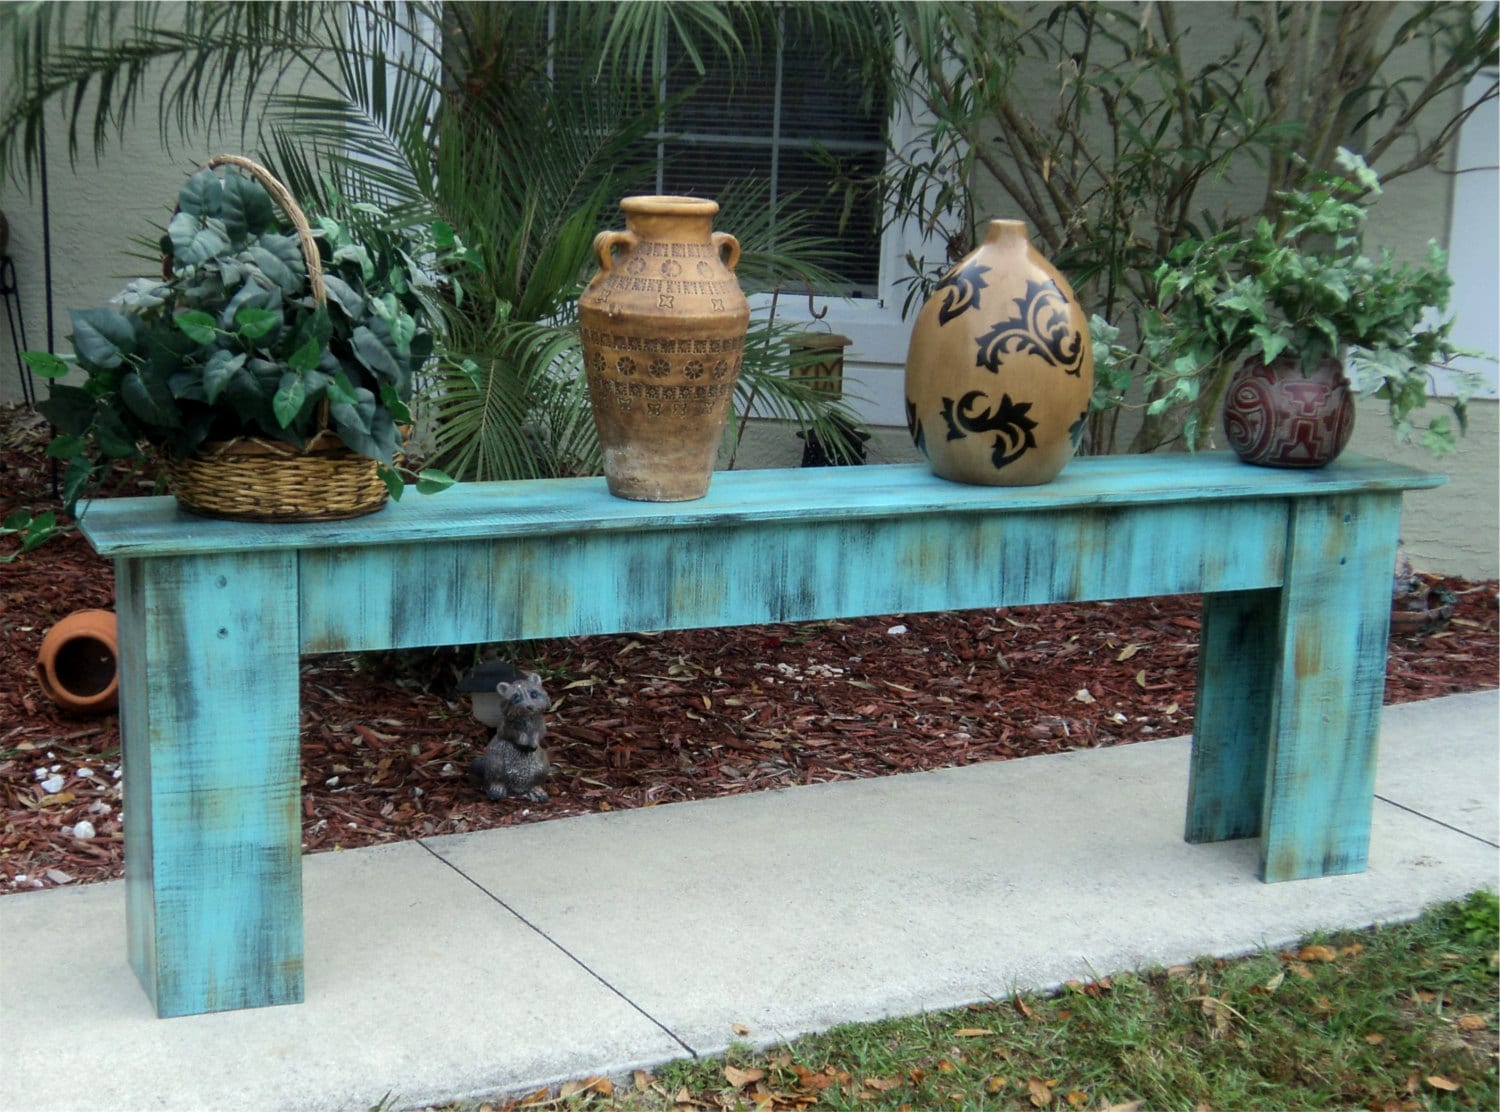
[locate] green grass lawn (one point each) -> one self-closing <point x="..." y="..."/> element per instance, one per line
<point x="1398" y="1017"/>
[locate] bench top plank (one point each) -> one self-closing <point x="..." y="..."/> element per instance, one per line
<point x="148" y="527"/>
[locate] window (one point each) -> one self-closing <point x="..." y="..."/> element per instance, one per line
<point x="797" y="121"/>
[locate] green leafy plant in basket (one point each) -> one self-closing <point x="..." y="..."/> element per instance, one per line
<point x="289" y="339"/>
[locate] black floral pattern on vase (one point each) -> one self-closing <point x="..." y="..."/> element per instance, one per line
<point x="961" y="291"/>
<point x="1008" y="420"/>
<point x="1041" y="328"/>
<point x="914" y="426"/>
<point x="1075" y="430"/>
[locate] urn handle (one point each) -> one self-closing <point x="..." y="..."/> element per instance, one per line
<point x="605" y="244"/>
<point x="723" y="241"/>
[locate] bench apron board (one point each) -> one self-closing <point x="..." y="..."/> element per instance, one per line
<point x="1294" y="567"/>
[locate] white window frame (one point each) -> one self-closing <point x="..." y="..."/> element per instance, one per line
<point x="1474" y="243"/>
<point x="875" y="361"/>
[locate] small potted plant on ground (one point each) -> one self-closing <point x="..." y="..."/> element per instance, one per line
<point x="269" y="368"/>
<point x="1299" y="313"/>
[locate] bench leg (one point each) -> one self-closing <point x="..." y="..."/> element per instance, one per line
<point x="1328" y="686"/>
<point x="209" y="725"/>
<point x="1237" y="661"/>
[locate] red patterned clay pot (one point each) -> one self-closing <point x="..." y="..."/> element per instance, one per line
<point x="77" y="663"/>
<point x="1279" y="416"/>
<point x="1000" y="367"/>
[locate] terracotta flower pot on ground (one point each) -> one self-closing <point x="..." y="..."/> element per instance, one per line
<point x="78" y="663"/>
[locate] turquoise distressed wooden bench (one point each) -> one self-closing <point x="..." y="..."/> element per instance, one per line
<point x="1295" y="569"/>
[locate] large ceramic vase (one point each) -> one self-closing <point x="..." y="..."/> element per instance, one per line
<point x="1000" y="367"/>
<point x="663" y="324"/>
<point x="1283" y="416"/>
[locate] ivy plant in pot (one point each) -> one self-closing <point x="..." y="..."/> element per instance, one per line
<point x="1288" y="322"/>
<point x="269" y="369"/>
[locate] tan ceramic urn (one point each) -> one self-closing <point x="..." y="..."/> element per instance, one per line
<point x="663" y="326"/>
<point x="1000" y="369"/>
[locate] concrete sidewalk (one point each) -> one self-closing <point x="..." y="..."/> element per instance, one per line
<point x="500" y="961"/>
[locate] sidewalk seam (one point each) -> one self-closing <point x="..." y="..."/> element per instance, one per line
<point x="574" y="958"/>
<point x="1439" y="822"/>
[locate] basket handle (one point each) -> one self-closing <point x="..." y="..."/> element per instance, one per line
<point x="283" y="197"/>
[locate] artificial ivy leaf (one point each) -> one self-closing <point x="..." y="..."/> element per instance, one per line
<point x="392" y="480"/>
<point x="403" y="331"/>
<point x="253" y="385"/>
<point x="431" y="480"/>
<point x="276" y="269"/>
<point x="218" y="372"/>
<point x="316" y="326"/>
<point x="187" y="386"/>
<point x="102" y="337"/>
<point x="69" y="408"/>
<point x="377" y="356"/>
<point x="286" y="246"/>
<point x="198" y="326"/>
<point x="141" y="294"/>
<point x="355" y="253"/>
<point x="305" y="358"/>
<point x="167" y="348"/>
<point x="341" y="390"/>
<point x="258" y="293"/>
<point x="150" y="400"/>
<point x="353" y="423"/>
<point x="45" y="364"/>
<point x="253" y="324"/>
<point x="66" y="447"/>
<point x="196" y="240"/>
<point x="345" y="296"/>
<point x="114" y="439"/>
<point x="201" y="195"/>
<point x="246" y="206"/>
<point x="1272" y="343"/>
<point x="75" y="478"/>
<point x="392" y="401"/>
<point x="289" y="398"/>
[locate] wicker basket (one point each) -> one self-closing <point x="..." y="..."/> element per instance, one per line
<point x="254" y="479"/>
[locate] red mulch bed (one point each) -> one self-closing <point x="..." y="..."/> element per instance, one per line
<point x="640" y="719"/>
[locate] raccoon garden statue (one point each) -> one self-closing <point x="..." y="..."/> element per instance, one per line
<point x="514" y="763"/>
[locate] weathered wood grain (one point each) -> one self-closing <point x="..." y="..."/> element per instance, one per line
<point x="1294" y="567"/>
<point x="1325" y="703"/>
<point x="743" y="573"/>
<point x="1237" y="660"/>
<point x="209" y="727"/>
<point x="124" y="527"/>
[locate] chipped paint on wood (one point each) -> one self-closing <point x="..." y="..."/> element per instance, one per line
<point x="1294" y="566"/>
<point x="1333" y="624"/>
<point x="1237" y="652"/>
<point x="212" y="771"/>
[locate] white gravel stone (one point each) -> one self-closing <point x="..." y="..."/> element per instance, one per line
<point x="84" y="829"/>
<point x="57" y="876"/>
<point x="52" y="785"/>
